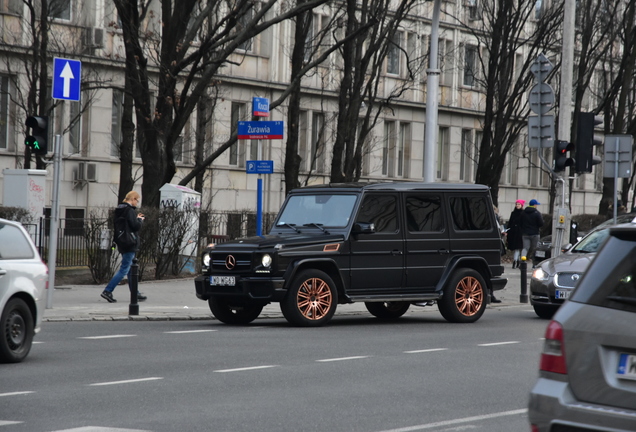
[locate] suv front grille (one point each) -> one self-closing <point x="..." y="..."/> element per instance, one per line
<point x="223" y="262"/>
<point x="567" y="280"/>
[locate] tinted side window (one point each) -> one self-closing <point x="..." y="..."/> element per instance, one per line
<point x="610" y="281"/>
<point x="380" y="210"/>
<point x="424" y="213"/>
<point x="13" y="243"/>
<point x="471" y="213"/>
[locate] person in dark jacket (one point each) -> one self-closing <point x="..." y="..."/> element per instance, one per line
<point x="531" y="222"/>
<point x="513" y="233"/>
<point x="125" y="217"/>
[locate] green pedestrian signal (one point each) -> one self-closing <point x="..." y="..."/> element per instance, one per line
<point x="38" y="140"/>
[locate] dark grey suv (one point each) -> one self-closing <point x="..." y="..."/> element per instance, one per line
<point x="388" y="245"/>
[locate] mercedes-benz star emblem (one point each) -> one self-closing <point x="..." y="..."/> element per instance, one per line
<point x="575" y="277"/>
<point x="230" y="262"/>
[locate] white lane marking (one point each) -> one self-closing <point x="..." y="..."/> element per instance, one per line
<point x="425" y="350"/>
<point x="126" y="381"/>
<point x="7" y="422"/>
<point x="37" y="342"/>
<point x="343" y="358"/>
<point x="107" y="337"/>
<point x="100" y="429"/>
<point x="499" y="343"/>
<point x="189" y="331"/>
<point x="16" y="393"/>
<point x="457" y="421"/>
<point x="245" y="368"/>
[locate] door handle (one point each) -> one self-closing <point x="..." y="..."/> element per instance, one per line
<point x="396" y="252"/>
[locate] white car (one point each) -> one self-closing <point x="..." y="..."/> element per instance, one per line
<point x="23" y="285"/>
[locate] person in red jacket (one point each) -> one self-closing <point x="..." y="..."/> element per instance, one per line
<point x="127" y="226"/>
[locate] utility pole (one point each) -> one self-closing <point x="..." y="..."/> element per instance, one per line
<point x="561" y="211"/>
<point x="432" y="89"/>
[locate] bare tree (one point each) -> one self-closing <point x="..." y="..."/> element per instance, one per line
<point x="502" y="32"/>
<point x="185" y="69"/>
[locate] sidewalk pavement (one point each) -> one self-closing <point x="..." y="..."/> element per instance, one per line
<point x="175" y="299"/>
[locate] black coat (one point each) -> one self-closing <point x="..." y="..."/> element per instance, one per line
<point x="129" y="213"/>
<point x="531" y="221"/>
<point x="515" y="241"/>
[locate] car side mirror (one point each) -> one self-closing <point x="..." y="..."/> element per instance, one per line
<point x="363" y="228"/>
<point x="566" y="247"/>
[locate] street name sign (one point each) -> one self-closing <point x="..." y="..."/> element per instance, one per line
<point x="260" y="107"/>
<point x="260" y="129"/>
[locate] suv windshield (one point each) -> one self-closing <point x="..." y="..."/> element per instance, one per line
<point x="333" y="210"/>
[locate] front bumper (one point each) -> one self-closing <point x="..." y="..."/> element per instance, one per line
<point x="543" y="294"/>
<point x="552" y="403"/>
<point x="257" y="288"/>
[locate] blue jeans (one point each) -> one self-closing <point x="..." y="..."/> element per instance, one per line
<point x="124" y="270"/>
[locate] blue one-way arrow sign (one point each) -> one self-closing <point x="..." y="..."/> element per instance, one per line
<point x="67" y="79"/>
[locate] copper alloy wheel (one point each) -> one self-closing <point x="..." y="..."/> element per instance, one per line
<point x="469" y="296"/>
<point x="314" y="298"/>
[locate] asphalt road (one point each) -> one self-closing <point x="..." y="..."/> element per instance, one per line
<point x="419" y="373"/>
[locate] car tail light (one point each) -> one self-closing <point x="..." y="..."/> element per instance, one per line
<point x="553" y="355"/>
<point x="534" y="428"/>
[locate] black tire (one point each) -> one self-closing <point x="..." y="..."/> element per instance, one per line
<point x="464" y="299"/>
<point x="545" y="311"/>
<point x="234" y="312"/>
<point x="387" y="310"/>
<point x="311" y="299"/>
<point x="16" y="331"/>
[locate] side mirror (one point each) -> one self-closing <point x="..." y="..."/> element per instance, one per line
<point x="363" y="228"/>
<point x="566" y="247"/>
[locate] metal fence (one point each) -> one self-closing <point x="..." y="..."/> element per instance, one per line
<point x="214" y="227"/>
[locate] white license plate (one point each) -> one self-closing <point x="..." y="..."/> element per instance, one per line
<point x="562" y="294"/>
<point x="540" y="254"/>
<point x="223" y="280"/>
<point x="627" y="366"/>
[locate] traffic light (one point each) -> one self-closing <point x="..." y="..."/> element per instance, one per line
<point x="561" y="158"/>
<point x="585" y="142"/>
<point x="38" y="140"/>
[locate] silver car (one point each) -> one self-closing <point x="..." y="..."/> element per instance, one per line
<point x="587" y="377"/>
<point x="23" y="283"/>
<point x="554" y="279"/>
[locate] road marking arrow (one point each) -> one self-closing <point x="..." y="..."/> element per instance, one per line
<point x="67" y="76"/>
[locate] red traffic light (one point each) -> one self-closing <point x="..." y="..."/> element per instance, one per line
<point x="561" y="161"/>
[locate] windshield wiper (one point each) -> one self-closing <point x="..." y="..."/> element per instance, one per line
<point x="292" y="226"/>
<point x="317" y="226"/>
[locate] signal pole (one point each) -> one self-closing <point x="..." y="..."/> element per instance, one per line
<point x="561" y="211"/>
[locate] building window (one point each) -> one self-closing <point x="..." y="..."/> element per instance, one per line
<point x="4" y="112"/>
<point x="470" y="65"/>
<point x="302" y="140"/>
<point x="446" y="62"/>
<point x="60" y="9"/>
<point x="237" y="153"/>
<point x="404" y="150"/>
<point x="394" y="54"/>
<point x="442" y="147"/>
<point x="318" y="142"/>
<point x="465" y="157"/>
<point x="388" y="149"/>
<point x="74" y="222"/>
<point x="115" y="122"/>
<point x="242" y="23"/>
<point x="75" y="132"/>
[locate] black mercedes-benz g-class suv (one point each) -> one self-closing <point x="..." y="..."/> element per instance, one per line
<point x="388" y="245"/>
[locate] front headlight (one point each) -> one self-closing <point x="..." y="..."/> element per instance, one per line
<point x="539" y="274"/>
<point x="266" y="261"/>
<point x="206" y="260"/>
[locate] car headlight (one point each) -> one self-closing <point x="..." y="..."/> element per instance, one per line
<point x="266" y="260"/>
<point x="206" y="260"/>
<point x="539" y="274"/>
